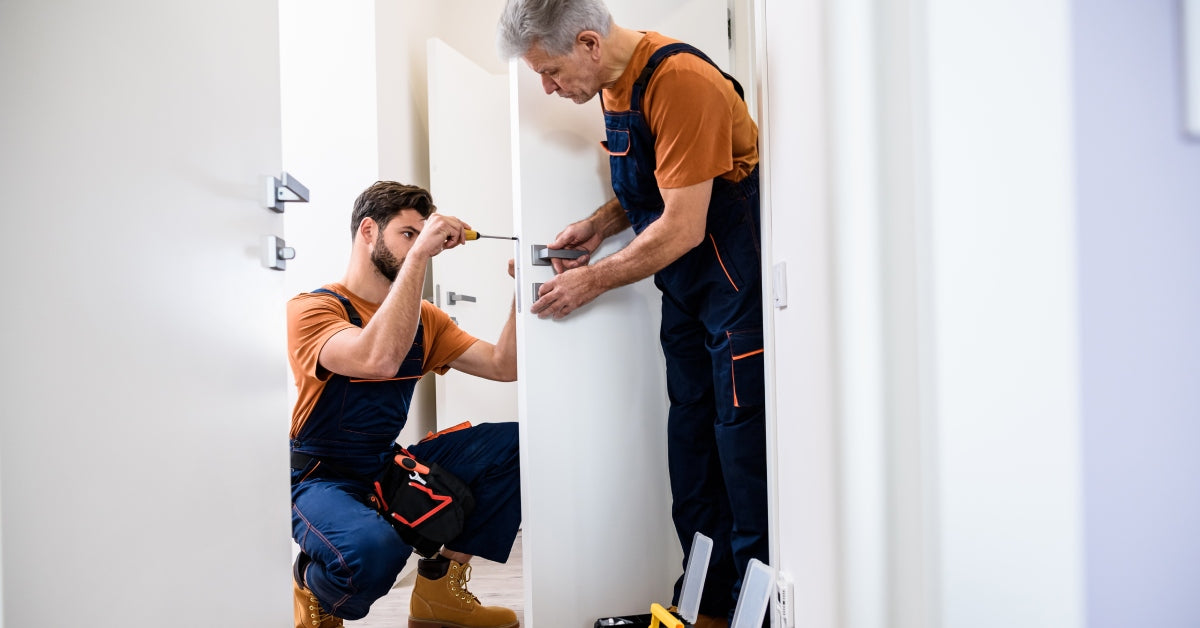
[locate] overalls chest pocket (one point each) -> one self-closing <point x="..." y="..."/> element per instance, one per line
<point x="632" y="163"/>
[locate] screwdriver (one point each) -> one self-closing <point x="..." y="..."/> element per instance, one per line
<point x="471" y="234"/>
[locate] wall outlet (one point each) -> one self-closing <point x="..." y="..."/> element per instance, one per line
<point x="785" y="600"/>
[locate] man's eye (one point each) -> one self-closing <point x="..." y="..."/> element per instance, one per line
<point x="408" y="234"/>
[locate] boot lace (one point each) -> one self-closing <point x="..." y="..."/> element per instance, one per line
<point x="458" y="585"/>
<point x="319" y="616"/>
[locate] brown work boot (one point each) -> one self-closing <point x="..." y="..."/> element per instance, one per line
<point x="308" y="610"/>
<point x="440" y="599"/>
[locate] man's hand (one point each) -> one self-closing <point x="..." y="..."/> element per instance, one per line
<point x="581" y="235"/>
<point x="567" y="292"/>
<point x="440" y="233"/>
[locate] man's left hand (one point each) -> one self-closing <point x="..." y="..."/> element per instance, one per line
<point x="566" y="293"/>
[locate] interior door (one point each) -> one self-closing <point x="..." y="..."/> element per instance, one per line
<point x="144" y="412"/>
<point x="470" y="172"/>
<point x="591" y="393"/>
<point x="598" y="538"/>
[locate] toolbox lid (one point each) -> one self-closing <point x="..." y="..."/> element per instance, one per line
<point x="693" y="578"/>
<point x="755" y="596"/>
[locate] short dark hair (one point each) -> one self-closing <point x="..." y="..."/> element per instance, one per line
<point x="384" y="199"/>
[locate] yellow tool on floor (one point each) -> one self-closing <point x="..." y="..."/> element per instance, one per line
<point x="689" y="596"/>
<point x="660" y="616"/>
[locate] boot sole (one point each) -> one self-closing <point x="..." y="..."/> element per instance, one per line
<point x="433" y="623"/>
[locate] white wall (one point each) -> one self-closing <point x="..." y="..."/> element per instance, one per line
<point x="1002" y="211"/>
<point x="1139" y="282"/>
<point x="975" y="229"/>
<point x="801" y="404"/>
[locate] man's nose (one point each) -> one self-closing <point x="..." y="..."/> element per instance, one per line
<point x="549" y="85"/>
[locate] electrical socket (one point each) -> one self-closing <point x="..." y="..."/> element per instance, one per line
<point x="785" y="600"/>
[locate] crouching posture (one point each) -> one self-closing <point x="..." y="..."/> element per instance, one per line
<point x="357" y="349"/>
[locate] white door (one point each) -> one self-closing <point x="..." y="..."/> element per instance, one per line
<point x="592" y="400"/>
<point x="470" y="174"/>
<point x="143" y="412"/>
<point x="592" y="389"/>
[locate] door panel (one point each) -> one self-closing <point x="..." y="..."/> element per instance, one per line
<point x="592" y="392"/>
<point x="470" y="170"/>
<point x="144" y="407"/>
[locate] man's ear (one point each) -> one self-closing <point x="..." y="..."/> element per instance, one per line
<point x="367" y="230"/>
<point x="590" y="41"/>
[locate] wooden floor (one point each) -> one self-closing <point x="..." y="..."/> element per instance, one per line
<point x="493" y="583"/>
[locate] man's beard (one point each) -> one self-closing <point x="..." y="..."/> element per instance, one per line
<point x="387" y="264"/>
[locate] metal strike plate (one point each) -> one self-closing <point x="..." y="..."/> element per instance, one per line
<point x="779" y="285"/>
<point x="541" y="255"/>
<point x="285" y="189"/>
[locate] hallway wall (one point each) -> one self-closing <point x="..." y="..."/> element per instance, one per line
<point x="1138" y="180"/>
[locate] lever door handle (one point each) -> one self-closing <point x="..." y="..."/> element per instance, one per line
<point x="454" y="297"/>
<point x="285" y="189"/>
<point x="542" y="255"/>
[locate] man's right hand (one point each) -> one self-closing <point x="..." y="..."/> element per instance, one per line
<point x="440" y="233"/>
<point x="581" y="235"/>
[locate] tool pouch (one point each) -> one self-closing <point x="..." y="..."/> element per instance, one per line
<point x="425" y="503"/>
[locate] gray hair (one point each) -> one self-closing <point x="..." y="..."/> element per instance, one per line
<point x="552" y="24"/>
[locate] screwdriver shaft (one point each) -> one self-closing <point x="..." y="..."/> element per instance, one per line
<point x="471" y="234"/>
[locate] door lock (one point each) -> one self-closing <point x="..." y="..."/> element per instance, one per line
<point x="276" y="252"/>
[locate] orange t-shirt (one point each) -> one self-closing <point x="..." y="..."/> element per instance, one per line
<point x="312" y="319"/>
<point x="702" y="128"/>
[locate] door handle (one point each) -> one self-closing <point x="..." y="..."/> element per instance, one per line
<point x="542" y="255"/>
<point x="285" y="189"/>
<point x="454" y="297"/>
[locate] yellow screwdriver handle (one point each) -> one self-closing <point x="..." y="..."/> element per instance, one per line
<point x="470" y="234"/>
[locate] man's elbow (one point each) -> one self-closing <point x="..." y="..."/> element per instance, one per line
<point x="381" y="368"/>
<point x="507" y="373"/>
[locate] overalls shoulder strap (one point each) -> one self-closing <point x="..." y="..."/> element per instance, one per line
<point x="643" y="79"/>
<point x="354" y="317"/>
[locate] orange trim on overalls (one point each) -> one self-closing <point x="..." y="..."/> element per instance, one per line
<point x="733" y="371"/>
<point x="386" y="379"/>
<point x="454" y="428"/>
<point x="722" y="262"/>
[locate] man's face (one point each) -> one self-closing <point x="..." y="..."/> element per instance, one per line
<point x="393" y="242"/>
<point x="573" y="75"/>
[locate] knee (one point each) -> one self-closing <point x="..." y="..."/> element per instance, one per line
<point x="380" y="554"/>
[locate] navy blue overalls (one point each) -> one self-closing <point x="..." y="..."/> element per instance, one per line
<point x="712" y="338"/>
<point x="355" y="554"/>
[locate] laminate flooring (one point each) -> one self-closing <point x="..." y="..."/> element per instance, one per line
<point x="494" y="584"/>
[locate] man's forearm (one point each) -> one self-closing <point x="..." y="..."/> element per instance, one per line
<point x="392" y="329"/>
<point x="651" y="251"/>
<point x="609" y="219"/>
<point x="506" y="346"/>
